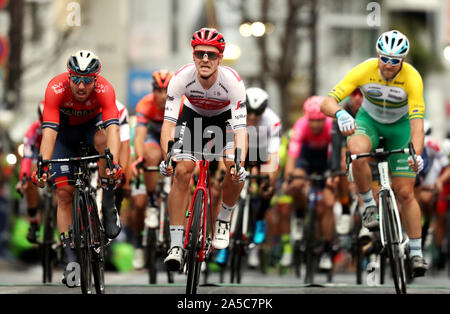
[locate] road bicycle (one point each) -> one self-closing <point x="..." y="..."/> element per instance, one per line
<point x="157" y="238"/>
<point x="47" y="245"/>
<point x="87" y="230"/>
<point x="393" y="240"/>
<point x="306" y="249"/>
<point x="240" y="224"/>
<point x="200" y="227"/>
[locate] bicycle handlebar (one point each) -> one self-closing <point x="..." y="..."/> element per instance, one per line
<point x="317" y="177"/>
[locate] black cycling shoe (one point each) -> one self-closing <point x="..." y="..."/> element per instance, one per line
<point x="370" y="218"/>
<point x="33" y="233"/>
<point x="418" y="266"/>
<point x="112" y="222"/>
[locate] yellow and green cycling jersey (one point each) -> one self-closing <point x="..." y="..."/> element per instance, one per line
<point x="385" y="101"/>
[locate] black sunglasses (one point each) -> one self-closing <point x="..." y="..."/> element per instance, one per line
<point x="200" y="54"/>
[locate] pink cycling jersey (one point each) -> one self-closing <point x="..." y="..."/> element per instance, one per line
<point x="302" y="135"/>
<point x="31" y="145"/>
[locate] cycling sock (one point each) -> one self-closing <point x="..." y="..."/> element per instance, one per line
<point x="368" y="199"/>
<point x="415" y="247"/>
<point x="176" y="236"/>
<point x="225" y="213"/>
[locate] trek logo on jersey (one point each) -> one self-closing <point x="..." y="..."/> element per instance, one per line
<point x="171" y="98"/>
<point x="58" y="88"/>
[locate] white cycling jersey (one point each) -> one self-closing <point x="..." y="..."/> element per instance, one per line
<point x="436" y="161"/>
<point x="228" y="92"/>
<point x="123" y="122"/>
<point x="269" y="132"/>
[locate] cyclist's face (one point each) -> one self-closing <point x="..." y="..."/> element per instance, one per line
<point x="81" y="91"/>
<point x="388" y="70"/>
<point x="205" y="66"/>
<point x="160" y="96"/>
<point x="253" y="119"/>
<point x="316" y="126"/>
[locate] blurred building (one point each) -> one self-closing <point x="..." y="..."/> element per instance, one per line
<point x="135" y="37"/>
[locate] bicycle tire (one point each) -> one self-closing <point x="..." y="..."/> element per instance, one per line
<point x="297" y="258"/>
<point x="392" y="244"/>
<point x="82" y="240"/>
<point x="48" y="256"/>
<point x="151" y="254"/>
<point x="237" y="247"/>
<point x="193" y="266"/>
<point x="166" y="241"/>
<point x="98" y="249"/>
<point x="357" y="247"/>
<point x="310" y="234"/>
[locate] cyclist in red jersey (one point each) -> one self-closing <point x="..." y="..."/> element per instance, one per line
<point x="80" y="107"/>
<point x="150" y="116"/>
<point x="31" y="145"/>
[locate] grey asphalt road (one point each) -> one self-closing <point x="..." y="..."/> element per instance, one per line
<point x="18" y="279"/>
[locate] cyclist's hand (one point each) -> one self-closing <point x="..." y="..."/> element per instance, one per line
<point x="345" y="122"/>
<point x="115" y="173"/>
<point x="136" y="166"/>
<point x="42" y="181"/>
<point x="240" y="176"/>
<point x="165" y="171"/>
<point x="20" y="188"/>
<point x="419" y="163"/>
<point x="266" y="190"/>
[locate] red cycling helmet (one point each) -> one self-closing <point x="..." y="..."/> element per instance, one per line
<point x="161" y="78"/>
<point x="311" y="108"/>
<point x="209" y="37"/>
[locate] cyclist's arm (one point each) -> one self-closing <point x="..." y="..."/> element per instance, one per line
<point x="238" y="119"/>
<point x="416" y="108"/>
<point x="167" y="134"/>
<point x="139" y="140"/>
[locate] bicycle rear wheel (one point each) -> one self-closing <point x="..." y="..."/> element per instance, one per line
<point x="310" y="236"/>
<point x="151" y="254"/>
<point x="82" y="239"/>
<point x="237" y="247"/>
<point x="193" y="266"/>
<point x="393" y="246"/>
<point x="98" y="248"/>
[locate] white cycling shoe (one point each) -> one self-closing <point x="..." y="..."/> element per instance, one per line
<point x="221" y="235"/>
<point x="174" y="259"/>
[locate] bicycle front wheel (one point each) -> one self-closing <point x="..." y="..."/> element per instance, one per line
<point x="237" y="246"/>
<point x="82" y="239"/>
<point x="193" y="266"/>
<point x="98" y="248"/>
<point x="393" y="245"/>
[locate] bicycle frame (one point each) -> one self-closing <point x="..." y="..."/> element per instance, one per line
<point x="204" y="185"/>
<point x="385" y="183"/>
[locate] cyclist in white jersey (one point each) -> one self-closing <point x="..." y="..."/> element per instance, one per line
<point x="215" y="100"/>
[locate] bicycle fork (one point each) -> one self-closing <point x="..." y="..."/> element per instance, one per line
<point x="386" y="191"/>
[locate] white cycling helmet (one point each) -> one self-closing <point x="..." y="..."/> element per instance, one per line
<point x="84" y="62"/>
<point x="393" y="44"/>
<point x="257" y="100"/>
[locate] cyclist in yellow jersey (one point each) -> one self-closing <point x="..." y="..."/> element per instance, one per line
<point x="392" y="107"/>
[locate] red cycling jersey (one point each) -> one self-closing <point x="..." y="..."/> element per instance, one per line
<point x="31" y="145"/>
<point x="60" y="107"/>
<point x="147" y="111"/>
